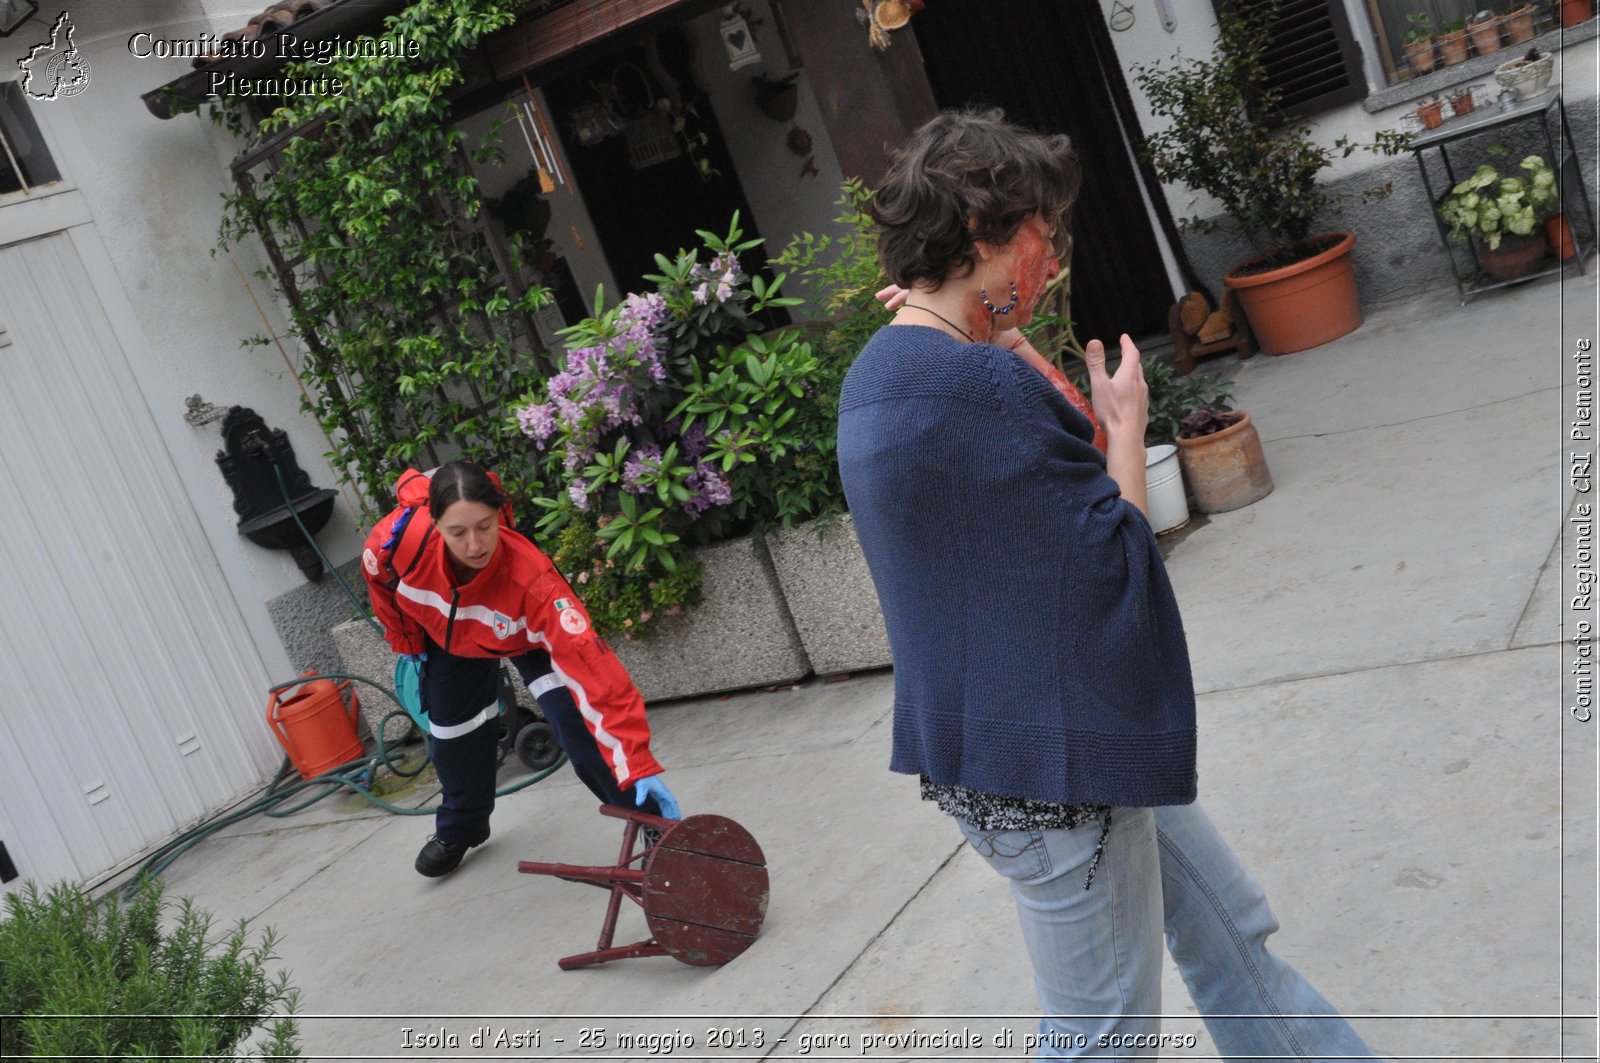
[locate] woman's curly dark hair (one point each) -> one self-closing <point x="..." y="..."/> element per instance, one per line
<point x="966" y="176"/>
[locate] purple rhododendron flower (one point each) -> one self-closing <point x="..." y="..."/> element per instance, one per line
<point x="578" y="491"/>
<point x="694" y="441"/>
<point x="538" y="421"/>
<point x="702" y="293"/>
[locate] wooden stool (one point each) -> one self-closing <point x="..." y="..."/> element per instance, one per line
<point x="1187" y="348"/>
<point x="703" y="888"/>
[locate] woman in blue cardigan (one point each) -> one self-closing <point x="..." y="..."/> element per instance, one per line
<point x="1042" y="685"/>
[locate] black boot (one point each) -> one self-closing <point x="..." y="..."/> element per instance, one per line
<point x="438" y="857"/>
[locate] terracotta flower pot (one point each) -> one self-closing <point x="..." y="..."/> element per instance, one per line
<point x="1453" y="47"/>
<point x="1517" y="256"/>
<point x="1559" y="235"/>
<point x="1431" y="113"/>
<point x="1519" y="25"/>
<point x="1485" y="36"/>
<point x="1576" y="11"/>
<point x="1420" y="55"/>
<point x="1226" y="470"/>
<point x="1461" y="104"/>
<point x="1302" y="305"/>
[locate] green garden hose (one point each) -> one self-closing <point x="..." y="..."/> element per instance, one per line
<point x="354" y="776"/>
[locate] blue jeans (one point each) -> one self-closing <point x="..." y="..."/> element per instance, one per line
<point x="1097" y="952"/>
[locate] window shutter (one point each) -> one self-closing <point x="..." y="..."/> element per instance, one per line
<point x="1313" y="60"/>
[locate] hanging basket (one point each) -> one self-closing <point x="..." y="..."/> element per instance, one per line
<point x="651" y="140"/>
<point x="648" y="131"/>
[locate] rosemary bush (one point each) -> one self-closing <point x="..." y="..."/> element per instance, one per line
<point x="99" y="979"/>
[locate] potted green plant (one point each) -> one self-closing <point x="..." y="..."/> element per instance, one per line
<point x="1418" y="44"/>
<point x="1222" y="459"/>
<point x="1484" y="29"/>
<point x="1453" y="42"/>
<point x="1223" y="138"/>
<point x="1519" y="24"/>
<point x="1499" y="214"/>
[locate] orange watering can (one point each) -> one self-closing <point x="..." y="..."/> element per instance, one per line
<point x="316" y="725"/>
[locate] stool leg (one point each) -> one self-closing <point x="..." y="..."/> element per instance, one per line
<point x="622" y="952"/>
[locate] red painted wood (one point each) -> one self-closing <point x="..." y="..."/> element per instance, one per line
<point x="703" y="888"/>
<point x="706" y="890"/>
<point x="698" y="946"/>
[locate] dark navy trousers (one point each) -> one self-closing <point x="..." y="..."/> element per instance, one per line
<point x="461" y="697"/>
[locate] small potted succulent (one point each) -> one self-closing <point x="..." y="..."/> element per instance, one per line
<point x="1431" y="112"/>
<point x="1418" y="45"/>
<point x="1453" y="42"/>
<point x="1484" y="29"/>
<point x="1519" y="24"/>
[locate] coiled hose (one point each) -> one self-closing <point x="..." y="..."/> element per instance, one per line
<point x="354" y="776"/>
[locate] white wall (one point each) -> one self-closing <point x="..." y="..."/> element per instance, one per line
<point x="154" y="190"/>
<point x="1147" y="42"/>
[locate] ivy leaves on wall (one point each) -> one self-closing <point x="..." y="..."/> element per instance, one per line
<point x="415" y="337"/>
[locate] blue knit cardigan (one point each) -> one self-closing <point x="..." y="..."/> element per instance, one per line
<point x="1038" y="650"/>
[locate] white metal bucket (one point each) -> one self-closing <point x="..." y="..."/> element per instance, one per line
<point x="1163" y="484"/>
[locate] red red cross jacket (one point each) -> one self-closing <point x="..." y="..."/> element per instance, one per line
<point x="518" y="602"/>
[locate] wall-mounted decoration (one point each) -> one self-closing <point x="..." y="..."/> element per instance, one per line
<point x="877" y="36"/>
<point x="737" y="39"/>
<point x="536" y="135"/>
<point x="777" y="98"/>
<point x="260" y="467"/>
<point x="1169" y="21"/>
<point x="1121" y="18"/>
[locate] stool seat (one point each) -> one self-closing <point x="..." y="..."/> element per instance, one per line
<point x="703" y="887"/>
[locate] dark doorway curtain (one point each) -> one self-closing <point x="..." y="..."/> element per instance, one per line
<point x="1036" y="59"/>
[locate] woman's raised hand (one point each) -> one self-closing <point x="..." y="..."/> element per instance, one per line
<point x="1122" y="402"/>
<point x="892" y="296"/>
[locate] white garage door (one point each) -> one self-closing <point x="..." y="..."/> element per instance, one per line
<point x="130" y="691"/>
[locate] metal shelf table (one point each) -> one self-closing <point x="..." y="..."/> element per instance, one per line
<point x="1569" y="177"/>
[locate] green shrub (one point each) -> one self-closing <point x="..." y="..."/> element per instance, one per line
<point x="675" y="423"/>
<point x="101" y="979"/>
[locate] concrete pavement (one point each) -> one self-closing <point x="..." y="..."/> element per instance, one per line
<point x="1384" y="741"/>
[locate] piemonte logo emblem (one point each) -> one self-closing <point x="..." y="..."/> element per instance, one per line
<point x="55" y="69"/>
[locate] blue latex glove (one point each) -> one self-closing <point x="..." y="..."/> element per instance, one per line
<point x="652" y="786"/>
<point x="415" y="659"/>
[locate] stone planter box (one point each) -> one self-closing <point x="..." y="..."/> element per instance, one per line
<point x="740" y="635"/>
<point x="830" y="595"/>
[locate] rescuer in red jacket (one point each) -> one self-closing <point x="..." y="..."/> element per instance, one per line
<point x="455" y="587"/>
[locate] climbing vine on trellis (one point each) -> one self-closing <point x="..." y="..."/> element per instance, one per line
<point x="416" y="337"/>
